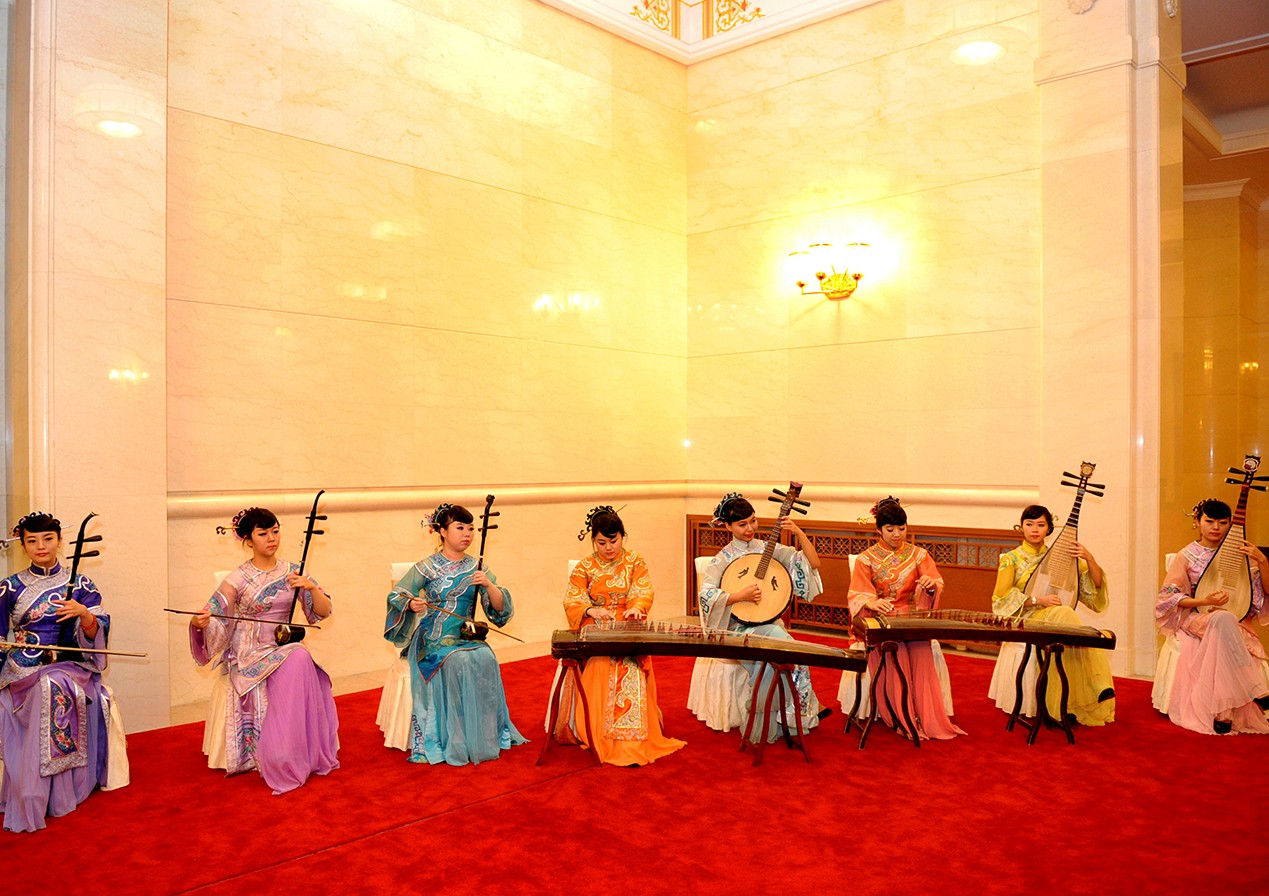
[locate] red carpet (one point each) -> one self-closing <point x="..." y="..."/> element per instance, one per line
<point x="1138" y="807"/>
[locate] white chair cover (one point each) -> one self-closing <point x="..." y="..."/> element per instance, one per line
<point x="719" y="688"/>
<point x="395" y="704"/>
<point x="217" y="709"/>
<point x="846" y="690"/>
<point x="1165" y="666"/>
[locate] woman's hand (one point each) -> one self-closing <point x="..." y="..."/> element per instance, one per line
<point x="881" y="605"/>
<point x="927" y="583"/>
<point x="1253" y="553"/>
<point x="1215" y="599"/>
<point x="201" y="619"/>
<point x="295" y="580"/>
<point x="634" y="613"/>
<point x="418" y="605"/>
<point x="748" y="594"/>
<point x="480" y="580"/>
<point x="601" y="613"/>
<point x="1048" y="600"/>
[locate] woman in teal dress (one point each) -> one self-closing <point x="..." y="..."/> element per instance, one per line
<point x="459" y="712"/>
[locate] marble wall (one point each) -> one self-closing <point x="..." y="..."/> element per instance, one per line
<point x="423" y="248"/>
<point x="407" y="251"/>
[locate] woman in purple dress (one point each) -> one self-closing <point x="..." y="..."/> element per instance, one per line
<point x="54" y="710"/>
<point x="279" y="715"/>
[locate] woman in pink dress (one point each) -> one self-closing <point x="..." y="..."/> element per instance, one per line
<point x="895" y="577"/>
<point x="1222" y="675"/>
<point x="280" y="714"/>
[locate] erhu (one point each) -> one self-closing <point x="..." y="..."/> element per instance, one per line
<point x="290" y="632"/>
<point x="473" y="630"/>
<point x="55" y="651"/>
<point x="1229" y="569"/>
<point x="1058" y="571"/>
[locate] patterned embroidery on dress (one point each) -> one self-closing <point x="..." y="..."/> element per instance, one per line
<point x="627" y="714"/>
<point x="63" y="726"/>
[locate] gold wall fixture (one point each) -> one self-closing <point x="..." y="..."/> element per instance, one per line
<point x="821" y="261"/>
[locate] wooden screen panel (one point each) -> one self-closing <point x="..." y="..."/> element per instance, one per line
<point x="967" y="558"/>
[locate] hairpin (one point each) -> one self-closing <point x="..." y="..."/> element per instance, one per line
<point x="590" y="516"/>
<point x="16" y="531"/>
<point x="888" y="499"/>
<point x="718" y="511"/>
<point x="429" y="522"/>
<point x="232" y="528"/>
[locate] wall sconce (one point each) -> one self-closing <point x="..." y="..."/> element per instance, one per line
<point x="821" y="260"/>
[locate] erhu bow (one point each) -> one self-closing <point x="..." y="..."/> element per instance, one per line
<point x="288" y="632"/>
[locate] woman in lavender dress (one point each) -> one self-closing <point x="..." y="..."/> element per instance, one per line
<point x="280" y="715"/>
<point x="54" y="716"/>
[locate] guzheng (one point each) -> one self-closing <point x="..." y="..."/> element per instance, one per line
<point x="1049" y="639"/>
<point x="964" y="625"/>
<point x="1229" y="569"/>
<point x="664" y="639"/>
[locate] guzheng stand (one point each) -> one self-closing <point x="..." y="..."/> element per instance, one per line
<point x="569" y="668"/>
<point x="1048" y="640"/>
<point x="781" y="655"/>
<point x="782" y="679"/>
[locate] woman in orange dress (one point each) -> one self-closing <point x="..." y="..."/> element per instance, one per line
<point x="612" y="584"/>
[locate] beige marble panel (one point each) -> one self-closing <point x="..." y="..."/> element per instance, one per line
<point x="122" y="33"/>
<point x="225" y="60"/>
<point x="1087" y="195"/>
<point x="456" y="370"/>
<point x="120" y="233"/>
<point x="967" y="446"/>
<point x="218" y="257"/>
<point x="563" y="169"/>
<point x="653" y="196"/>
<point x="478" y="443"/>
<point x="108" y="362"/>
<point x="202" y="456"/>
<point x="754" y="383"/>
<point x="1086" y="115"/>
<point x="649" y="75"/>
<point x="350" y="277"/>
<point x="220" y="166"/>
<point x="744" y="447"/>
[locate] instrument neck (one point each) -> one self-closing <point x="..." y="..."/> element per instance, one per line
<point x="1240" y="512"/>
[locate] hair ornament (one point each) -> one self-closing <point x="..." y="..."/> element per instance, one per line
<point x="430" y="521"/>
<point x="232" y="528"/>
<point x="590" y="517"/>
<point x="888" y="499"/>
<point x="16" y="531"/>
<point x="722" y="505"/>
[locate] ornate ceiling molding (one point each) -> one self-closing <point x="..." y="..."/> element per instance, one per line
<point x="690" y="31"/>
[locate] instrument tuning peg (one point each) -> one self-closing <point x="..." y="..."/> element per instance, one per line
<point x="319" y="531"/>
<point x="1096" y="485"/>
<point x="1258" y="488"/>
<point x="776" y="491"/>
<point x="1093" y="491"/>
<point x="1260" y="479"/>
<point x="493" y="526"/>
<point x="801" y="510"/>
<point x="1071" y="484"/>
<point x="1229" y="481"/>
<point x="1237" y="472"/>
<point x="1071" y="475"/>
<point x="321" y="516"/>
<point x="90" y="554"/>
<point x="495" y="513"/>
<point x="774" y="500"/>
<point x="803" y="503"/>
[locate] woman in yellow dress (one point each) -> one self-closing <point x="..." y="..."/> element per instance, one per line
<point x="1092" y="694"/>
<point x="613" y="584"/>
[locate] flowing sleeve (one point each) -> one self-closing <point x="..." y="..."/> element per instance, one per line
<point x="1007" y="599"/>
<point x="209" y="644"/>
<point x="806" y="581"/>
<point x="577" y="597"/>
<point x="87" y="594"/>
<point x="7" y="597"/>
<point x="927" y="567"/>
<point x="862" y="588"/>
<point x="715" y="613"/>
<point x="1176" y="587"/>
<point x="401" y="620"/>
<point x="1258" y="595"/>
<point x="640" y="595"/>
<point x="1096" y="599"/>
<point x="497" y="617"/>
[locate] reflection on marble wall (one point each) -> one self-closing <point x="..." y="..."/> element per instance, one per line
<point x="863" y="128"/>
